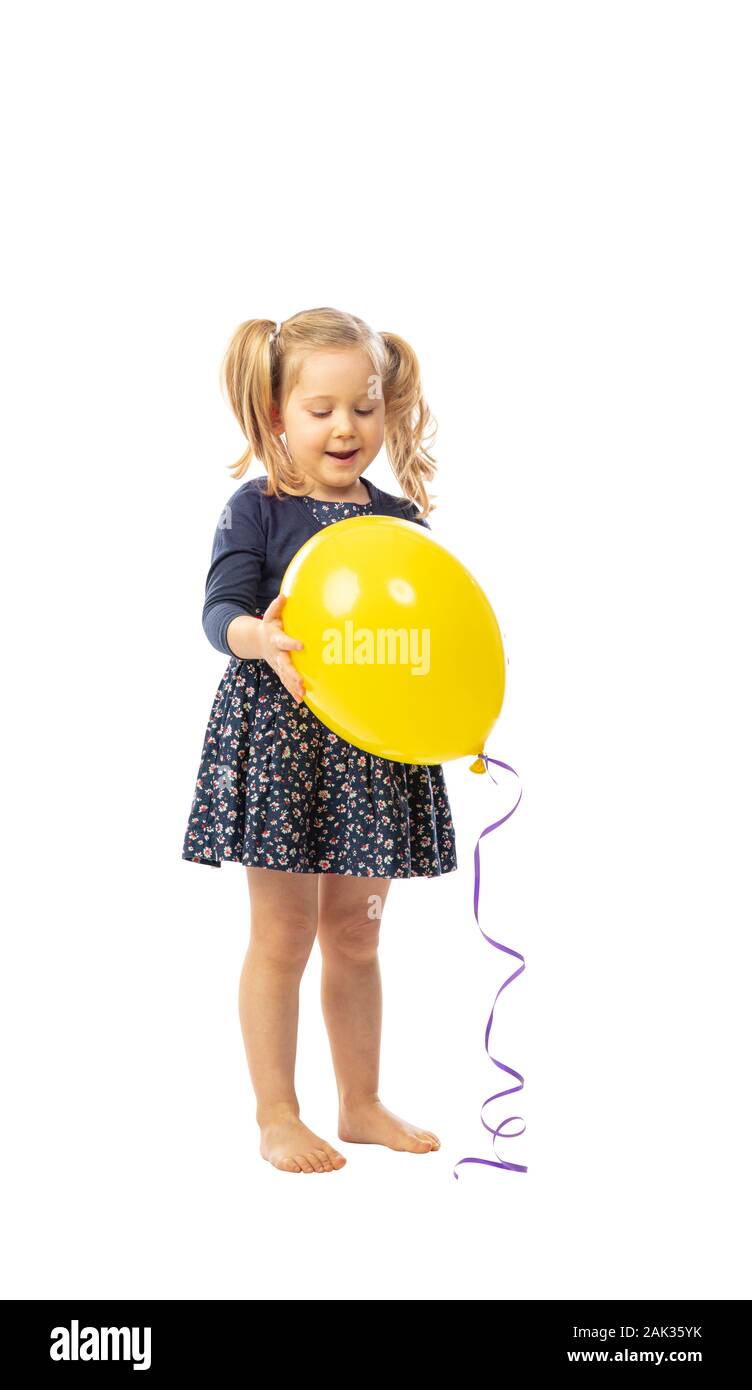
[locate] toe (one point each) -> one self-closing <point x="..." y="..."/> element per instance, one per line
<point x="305" y="1165"/>
<point x="335" y="1158"/>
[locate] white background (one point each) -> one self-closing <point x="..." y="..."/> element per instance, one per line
<point x="551" y="202"/>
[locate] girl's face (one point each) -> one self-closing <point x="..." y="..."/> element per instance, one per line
<point x="336" y="407"/>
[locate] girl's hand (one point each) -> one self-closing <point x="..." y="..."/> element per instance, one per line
<point x="277" y="644"/>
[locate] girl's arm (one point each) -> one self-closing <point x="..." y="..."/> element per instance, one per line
<point x="237" y="563"/>
<point x="264" y="638"/>
<point x="244" y="637"/>
<point x="238" y="558"/>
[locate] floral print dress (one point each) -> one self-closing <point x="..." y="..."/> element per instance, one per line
<point x="276" y="789"/>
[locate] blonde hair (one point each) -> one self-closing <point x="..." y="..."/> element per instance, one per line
<point x="257" y="373"/>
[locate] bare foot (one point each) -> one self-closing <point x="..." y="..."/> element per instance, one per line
<point x="369" y="1122"/>
<point x="290" y="1145"/>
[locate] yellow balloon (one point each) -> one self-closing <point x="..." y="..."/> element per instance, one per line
<point x="402" y="654"/>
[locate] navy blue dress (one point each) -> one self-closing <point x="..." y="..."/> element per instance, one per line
<point x="276" y="789"/>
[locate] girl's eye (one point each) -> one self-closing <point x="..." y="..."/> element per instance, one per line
<point x="321" y="414"/>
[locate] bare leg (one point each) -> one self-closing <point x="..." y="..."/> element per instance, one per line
<point x="283" y="930"/>
<point x="350" y="910"/>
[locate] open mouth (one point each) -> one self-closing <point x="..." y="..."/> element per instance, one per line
<point x="343" y="458"/>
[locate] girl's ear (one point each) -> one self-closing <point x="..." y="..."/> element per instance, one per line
<point x="277" y="425"/>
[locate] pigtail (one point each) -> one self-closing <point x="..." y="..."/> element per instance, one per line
<point x="408" y="423"/>
<point x="250" y="378"/>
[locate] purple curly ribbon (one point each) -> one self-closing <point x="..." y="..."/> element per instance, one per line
<point x="489" y="1163"/>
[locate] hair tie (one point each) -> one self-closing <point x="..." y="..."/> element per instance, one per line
<point x="275" y="334"/>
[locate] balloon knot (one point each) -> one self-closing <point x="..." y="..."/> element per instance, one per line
<point x="477" y="766"/>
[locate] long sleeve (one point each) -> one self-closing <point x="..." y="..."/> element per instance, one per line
<point x="237" y="562"/>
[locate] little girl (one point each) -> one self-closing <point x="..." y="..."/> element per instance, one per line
<point x="321" y="826"/>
